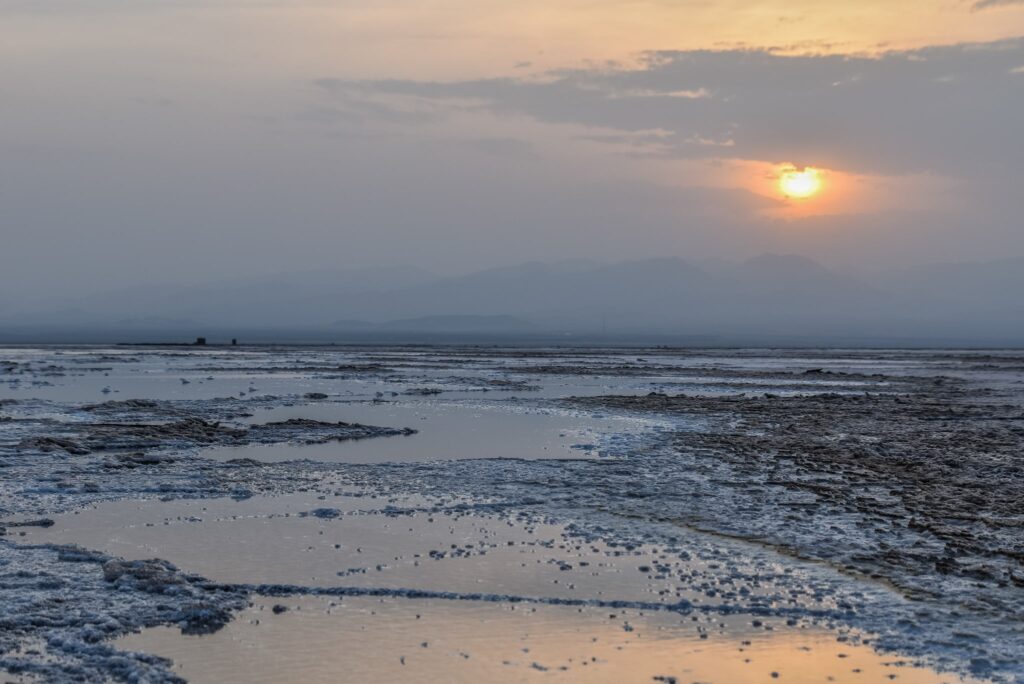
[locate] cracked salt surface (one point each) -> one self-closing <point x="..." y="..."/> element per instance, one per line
<point x="490" y="553"/>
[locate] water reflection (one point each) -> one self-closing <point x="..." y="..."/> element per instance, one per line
<point x="387" y="640"/>
<point x="375" y="542"/>
<point x="447" y="430"/>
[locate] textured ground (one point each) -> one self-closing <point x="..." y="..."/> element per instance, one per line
<point x="893" y="483"/>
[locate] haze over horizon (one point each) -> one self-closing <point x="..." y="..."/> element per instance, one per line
<point x="771" y="299"/>
<point x="173" y="143"/>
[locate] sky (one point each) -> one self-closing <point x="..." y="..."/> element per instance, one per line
<point x="170" y="141"/>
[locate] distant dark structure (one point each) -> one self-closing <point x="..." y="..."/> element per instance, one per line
<point x="234" y="341"/>
<point x="200" y="341"/>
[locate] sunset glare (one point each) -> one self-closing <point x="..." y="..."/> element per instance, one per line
<point x="800" y="183"/>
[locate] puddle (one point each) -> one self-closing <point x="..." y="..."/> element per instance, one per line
<point x="366" y="542"/>
<point x="352" y="541"/>
<point x="388" y="640"/>
<point x="447" y="430"/>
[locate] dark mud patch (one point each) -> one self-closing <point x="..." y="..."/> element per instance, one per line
<point x="82" y="439"/>
<point x="644" y="369"/>
<point x="307" y="431"/>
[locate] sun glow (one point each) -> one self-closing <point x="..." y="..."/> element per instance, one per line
<point x="800" y="183"/>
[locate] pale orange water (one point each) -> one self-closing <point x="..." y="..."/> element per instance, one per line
<point x="389" y="640"/>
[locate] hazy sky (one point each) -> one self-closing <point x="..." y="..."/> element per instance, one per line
<point x="152" y="141"/>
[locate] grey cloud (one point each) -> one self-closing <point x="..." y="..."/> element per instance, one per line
<point x="951" y="110"/>
<point x="987" y="4"/>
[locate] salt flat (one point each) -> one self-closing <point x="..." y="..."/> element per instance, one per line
<point x="254" y="514"/>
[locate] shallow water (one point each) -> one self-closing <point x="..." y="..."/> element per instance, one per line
<point x="321" y="640"/>
<point x="461" y="553"/>
<point x="374" y="542"/>
<point x="446" y="430"/>
<point x="400" y="543"/>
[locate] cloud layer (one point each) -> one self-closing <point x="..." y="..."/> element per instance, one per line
<point x="948" y="110"/>
<point x="987" y="4"/>
<point x="176" y="141"/>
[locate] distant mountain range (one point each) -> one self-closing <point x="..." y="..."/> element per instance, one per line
<point x="770" y="297"/>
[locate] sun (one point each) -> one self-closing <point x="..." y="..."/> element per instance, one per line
<point x="800" y="183"/>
